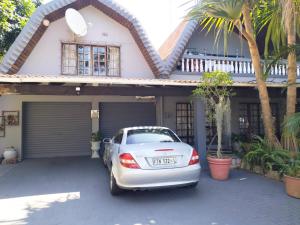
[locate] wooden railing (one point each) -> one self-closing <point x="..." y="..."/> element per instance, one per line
<point x="238" y="66"/>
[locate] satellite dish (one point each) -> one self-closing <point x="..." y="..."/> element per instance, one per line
<point x="76" y="22"/>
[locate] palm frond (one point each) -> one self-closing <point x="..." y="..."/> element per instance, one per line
<point x="218" y="15"/>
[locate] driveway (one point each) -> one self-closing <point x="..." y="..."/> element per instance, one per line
<point x="75" y="191"/>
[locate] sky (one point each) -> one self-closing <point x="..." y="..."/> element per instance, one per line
<point x="158" y="17"/>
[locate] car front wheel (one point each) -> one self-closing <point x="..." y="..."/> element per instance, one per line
<point x="114" y="188"/>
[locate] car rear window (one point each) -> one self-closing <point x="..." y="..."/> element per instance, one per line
<point x="139" y="136"/>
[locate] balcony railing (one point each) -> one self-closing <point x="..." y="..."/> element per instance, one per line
<point x="236" y="66"/>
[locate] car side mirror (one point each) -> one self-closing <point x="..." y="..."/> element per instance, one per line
<point x="107" y="140"/>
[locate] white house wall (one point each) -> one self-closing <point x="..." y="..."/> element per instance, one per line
<point x="45" y="59"/>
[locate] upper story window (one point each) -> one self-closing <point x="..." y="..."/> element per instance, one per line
<point x="78" y="59"/>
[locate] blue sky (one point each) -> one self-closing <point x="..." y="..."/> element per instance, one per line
<point x="158" y="17"/>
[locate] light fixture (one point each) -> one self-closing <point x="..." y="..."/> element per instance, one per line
<point x="94" y="114"/>
<point x="145" y="97"/>
<point x="46" y="23"/>
<point x="77" y="90"/>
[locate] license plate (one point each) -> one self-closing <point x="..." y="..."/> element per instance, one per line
<point x="161" y="161"/>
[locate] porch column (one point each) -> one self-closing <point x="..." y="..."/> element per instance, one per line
<point x="95" y="121"/>
<point x="199" y="129"/>
<point x="159" y="110"/>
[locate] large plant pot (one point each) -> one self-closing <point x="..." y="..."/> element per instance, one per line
<point x="95" y="146"/>
<point x="292" y="186"/>
<point x="219" y="168"/>
<point x="10" y="154"/>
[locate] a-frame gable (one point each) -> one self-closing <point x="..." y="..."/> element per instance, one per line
<point x="54" y="10"/>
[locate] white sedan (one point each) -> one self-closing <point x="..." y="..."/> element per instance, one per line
<point x="149" y="157"/>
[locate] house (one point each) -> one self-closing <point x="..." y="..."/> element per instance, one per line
<point x="57" y="80"/>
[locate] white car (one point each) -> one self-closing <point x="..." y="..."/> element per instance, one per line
<point x="149" y="157"/>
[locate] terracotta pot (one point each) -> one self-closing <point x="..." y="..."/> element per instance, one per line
<point x="219" y="168"/>
<point x="292" y="186"/>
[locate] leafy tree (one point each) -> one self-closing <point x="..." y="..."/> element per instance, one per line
<point x="14" y="15"/>
<point x="215" y="87"/>
<point x="226" y="15"/>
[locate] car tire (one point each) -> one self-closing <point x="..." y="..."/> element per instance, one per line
<point x="104" y="161"/>
<point x="114" y="188"/>
<point x="193" y="185"/>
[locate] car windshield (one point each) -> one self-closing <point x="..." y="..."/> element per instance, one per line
<point x="149" y="135"/>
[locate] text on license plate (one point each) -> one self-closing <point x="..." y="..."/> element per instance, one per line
<point x="159" y="161"/>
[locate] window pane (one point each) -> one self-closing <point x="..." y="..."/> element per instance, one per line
<point x="84" y="60"/>
<point x="139" y="136"/>
<point x="184" y="122"/>
<point x="69" y="59"/>
<point x="113" y="60"/>
<point x="99" y="54"/>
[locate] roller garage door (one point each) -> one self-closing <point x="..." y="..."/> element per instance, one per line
<point x="117" y="115"/>
<point x="55" y="129"/>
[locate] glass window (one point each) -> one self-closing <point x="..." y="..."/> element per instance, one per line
<point x="99" y="57"/>
<point x="84" y="60"/>
<point x="139" y="136"/>
<point x="90" y="60"/>
<point x="69" y="59"/>
<point x="250" y="119"/>
<point x="185" y="122"/>
<point x="113" y="61"/>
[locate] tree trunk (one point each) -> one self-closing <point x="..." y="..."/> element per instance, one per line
<point x="292" y="62"/>
<point x="261" y="85"/>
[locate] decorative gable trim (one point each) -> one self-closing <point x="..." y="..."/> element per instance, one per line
<point x="54" y="10"/>
<point x="175" y="45"/>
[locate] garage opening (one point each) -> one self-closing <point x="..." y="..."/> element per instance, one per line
<point x="117" y="115"/>
<point x="56" y="129"/>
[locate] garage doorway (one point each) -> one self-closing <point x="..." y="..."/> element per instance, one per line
<point x="56" y="129"/>
<point x="117" y="115"/>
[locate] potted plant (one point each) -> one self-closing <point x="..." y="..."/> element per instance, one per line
<point x="95" y="144"/>
<point x="291" y="176"/>
<point x="10" y="154"/>
<point x="291" y="170"/>
<point x="214" y="88"/>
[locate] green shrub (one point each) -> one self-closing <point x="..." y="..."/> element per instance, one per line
<point x="292" y="167"/>
<point x="268" y="158"/>
<point x="96" y="136"/>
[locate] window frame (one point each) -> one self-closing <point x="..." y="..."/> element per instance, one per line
<point x="190" y="137"/>
<point x="275" y="113"/>
<point x="92" y="46"/>
<point x="62" y="58"/>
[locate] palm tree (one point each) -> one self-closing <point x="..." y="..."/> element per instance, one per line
<point x="224" y="16"/>
<point x="291" y="130"/>
<point x="281" y="18"/>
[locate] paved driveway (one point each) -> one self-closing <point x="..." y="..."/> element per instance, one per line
<point x="75" y="191"/>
